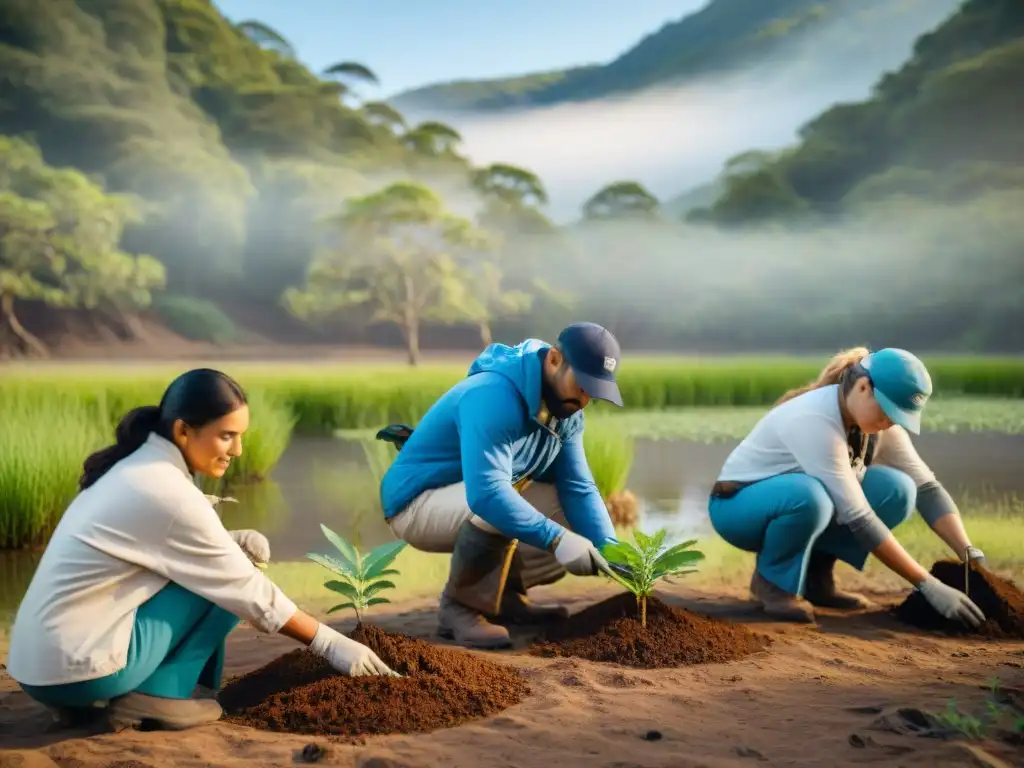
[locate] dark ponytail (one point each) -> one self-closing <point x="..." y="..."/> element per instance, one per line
<point x="132" y="431"/>
<point x="197" y="397"/>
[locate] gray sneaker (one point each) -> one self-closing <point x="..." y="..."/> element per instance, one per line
<point x="134" y="709"/>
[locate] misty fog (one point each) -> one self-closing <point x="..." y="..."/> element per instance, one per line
<point x="674" y="139"/>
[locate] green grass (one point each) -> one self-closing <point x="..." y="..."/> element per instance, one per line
<point x="994" y="527"/>
<point x="712" y="424"/>
<point x="324" y="398"/>
<point x="610" y="456"/>
<point x="47" y="432"/>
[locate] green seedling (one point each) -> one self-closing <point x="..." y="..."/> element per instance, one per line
<point x="638" y="567"/>
<point x="361" y="574"/>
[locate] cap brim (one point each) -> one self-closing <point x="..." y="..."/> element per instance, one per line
<point x="909" y="420"/>
<point x="599" y="389"/>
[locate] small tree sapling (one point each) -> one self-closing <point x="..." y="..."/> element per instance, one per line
<point x="361" y="574"/>
<point x="638" y="567"/>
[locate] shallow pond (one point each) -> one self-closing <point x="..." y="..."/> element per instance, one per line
<point x="326" y="480"/>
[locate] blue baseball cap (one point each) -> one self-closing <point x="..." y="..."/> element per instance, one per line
<point x="902" y="385"/>
<point x="593" y="354"/>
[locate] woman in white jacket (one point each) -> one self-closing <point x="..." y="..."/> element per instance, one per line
<point x="140" y="584"/>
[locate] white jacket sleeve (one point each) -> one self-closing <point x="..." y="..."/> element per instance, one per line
<point x="821" y="451"/>
<point x="199" y="554"/>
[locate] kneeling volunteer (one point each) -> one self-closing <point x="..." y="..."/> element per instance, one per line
<point x="141" y="583"/>
<point x="826" y="475"/>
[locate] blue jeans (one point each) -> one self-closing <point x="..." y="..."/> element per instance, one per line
<point x="177" y="642"/>
<point x="785" y="517"/>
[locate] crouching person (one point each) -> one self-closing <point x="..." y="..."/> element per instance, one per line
<point x="129" y="608"/>
<point x="495" y="474"/>
<point x="827" y="475"/>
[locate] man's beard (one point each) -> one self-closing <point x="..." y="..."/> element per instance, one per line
<point x="559" y="408"/>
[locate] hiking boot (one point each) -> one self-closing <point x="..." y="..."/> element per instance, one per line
<point x="469" y="628"/>
<point x="516" y="608"/>
<point x="476" y="584"/>
<point x="527" y="572"/>
<point x="821" y="586"/>
<point x="778" y="603"/>
<point x="134" y="709"/>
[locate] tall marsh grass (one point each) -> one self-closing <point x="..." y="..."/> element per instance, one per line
<point x="46" y="433"/>
<point x="325" y="398"/>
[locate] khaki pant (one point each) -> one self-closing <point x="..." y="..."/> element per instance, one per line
<point x="432" y="520"/>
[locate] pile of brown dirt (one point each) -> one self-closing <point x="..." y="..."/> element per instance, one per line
<point x="610" y="631"/>
<point x="999" y="599"/>
<point x="440" y="687"/>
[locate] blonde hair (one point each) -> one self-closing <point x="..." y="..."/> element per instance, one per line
<point x="831" y="373"/>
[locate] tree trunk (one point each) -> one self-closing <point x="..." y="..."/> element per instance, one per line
<point x="412" y="341"/>
<point x="485" y="334"/>
<point x="23" y="339"/>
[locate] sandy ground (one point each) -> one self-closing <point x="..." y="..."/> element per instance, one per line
<point x="817" y="698"/>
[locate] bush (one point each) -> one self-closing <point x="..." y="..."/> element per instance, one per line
<point x="195" y="319"/>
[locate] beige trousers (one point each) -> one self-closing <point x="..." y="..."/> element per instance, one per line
<point x="432" y="520"/>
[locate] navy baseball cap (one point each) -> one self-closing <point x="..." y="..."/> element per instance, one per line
<point x="593" y="354"/>
<point x="902" y="385"/>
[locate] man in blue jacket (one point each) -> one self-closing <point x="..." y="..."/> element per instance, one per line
<point x="495" y="473"/>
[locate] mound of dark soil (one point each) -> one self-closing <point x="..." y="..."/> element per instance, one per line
<point x="1000" y="600"/>
<point x="441" y="687"/>
<point x="610" y="631"/>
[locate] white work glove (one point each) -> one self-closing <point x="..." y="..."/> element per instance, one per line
<point x="346" y="655"/>
<point x="579" y="556"/>
<point x="950" y="602"/>
<point x="975" y="555"/>
<point x="254" y="544"/>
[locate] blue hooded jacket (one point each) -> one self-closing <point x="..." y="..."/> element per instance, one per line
<point x="484" y="432"/>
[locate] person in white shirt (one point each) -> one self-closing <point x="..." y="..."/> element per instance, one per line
<point x="128" y="611"/>
<point x="826" y="475"/>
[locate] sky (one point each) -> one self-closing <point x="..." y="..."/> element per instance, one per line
<point x="409" y="43"/>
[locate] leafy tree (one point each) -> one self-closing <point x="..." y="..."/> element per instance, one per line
<point x="432" y="139"/>
<point x="621" y="200"/>
<point x="399" y="253"/>
<point x="266" y="36"/>
<point x="510" y="184"/>
<point x="59" y="236"/>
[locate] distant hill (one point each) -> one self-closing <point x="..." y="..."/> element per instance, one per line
<point x="724" y="35"/>
<point x="945" y="126"/>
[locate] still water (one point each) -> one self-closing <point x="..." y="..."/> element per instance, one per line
<point x="331" y="481"/>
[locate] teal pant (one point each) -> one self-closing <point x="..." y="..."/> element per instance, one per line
<point x="786" y="517"/>
<point x="177" y="642"/>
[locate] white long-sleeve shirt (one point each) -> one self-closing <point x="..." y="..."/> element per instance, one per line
<point x="142" y="525"/>
<point x="806" y="434"/>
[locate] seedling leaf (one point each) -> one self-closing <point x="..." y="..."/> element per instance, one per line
<point x="640" y="566"/>
<point x="360" y="574"/>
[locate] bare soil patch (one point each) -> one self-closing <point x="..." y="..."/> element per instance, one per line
<point x="610" y="631"/>
<point x="999" y="599"/>
<point x="440" y="687"/>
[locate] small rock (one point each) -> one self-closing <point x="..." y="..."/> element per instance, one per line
<point x="313" y="753"/>
<point x="652" y="736"/>
<point x="751" y="753"/>
<point x="960" y="654"/>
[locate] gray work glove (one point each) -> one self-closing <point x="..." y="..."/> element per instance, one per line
<point x="975" y="555"/>
<point x="950" y="602"/>
<point x="579" y="556"/>
<point x="255" y="546"/>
